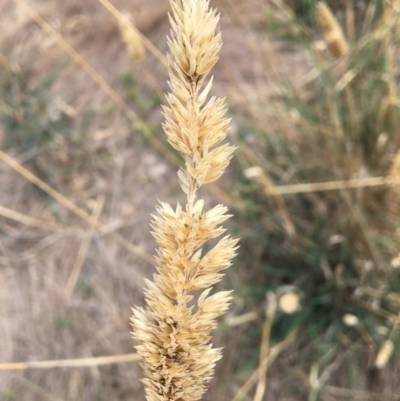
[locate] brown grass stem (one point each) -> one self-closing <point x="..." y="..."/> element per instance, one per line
<point x="83" y="249"/>
<point x="333" y="185"/>
<point x="33" y="222"/>
<point x="270" y="189"/>
<point x="264" y="350"/>
<point x="272" y="355"/>
<point x="350" y="21"/>
<point x="361" y="395"/>
<point x="71" y="363"/>
<point x="232" y="321"/>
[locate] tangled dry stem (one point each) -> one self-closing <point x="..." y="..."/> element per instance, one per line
<point x="174" y="339"/>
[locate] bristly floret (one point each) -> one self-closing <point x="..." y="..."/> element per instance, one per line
<point x="194" y="127"/>
<point x="174" y="341"/>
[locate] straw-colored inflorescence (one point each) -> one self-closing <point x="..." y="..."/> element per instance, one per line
<point x="332" y="31"/>
<point x="173" y="335"/>
<point x="131" y="38"/>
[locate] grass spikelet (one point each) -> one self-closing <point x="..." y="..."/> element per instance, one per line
<point x="131" y="38"/>
<point x="178" y="359"/>
<point x="332" y="31"/>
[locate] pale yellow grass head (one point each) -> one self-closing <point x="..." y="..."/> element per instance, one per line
<point x="131" y="38"/>
<point x="174" y="340"/>
<point x="332" y="31"/>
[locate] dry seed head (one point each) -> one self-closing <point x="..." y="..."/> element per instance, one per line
<point x="289" y="303"/>
<point x="384" y="354"/>
<point x="194" y="126"/>
<point x="395" y="262"/>
<point x="131" y="38"/>
<point x="174" y="341"/>
<point x="350" y="320"/>
<point x="332" y="31"/>
<point x="253" y="172"/>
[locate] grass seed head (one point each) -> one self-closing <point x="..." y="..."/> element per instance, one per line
<point x="289" y="303"/>
<point x="174" y="341"/>
<point x="384" y="354"/>
<point x="332" y="31"/>
<point x="131" y="38"/>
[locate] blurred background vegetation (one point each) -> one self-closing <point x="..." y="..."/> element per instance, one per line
<point x="313" y="96"/>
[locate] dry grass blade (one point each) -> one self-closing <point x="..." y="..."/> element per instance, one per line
<point x="72" y="207"/>
<point x="361" y="395"/>
<point x="272" y="355"/>
<point x="232" y="321"/>
<point x="350" y="20"/>
<point x="270" y="190"/>
<point x="285" y="216"/>
<point x="333" y="185"/>
<point x="71" y="363"/>
<point x="29" y="221"/>
<point x="263" y="366"/>
<point x="114" y="96"/>
<point x="83" y="249"/>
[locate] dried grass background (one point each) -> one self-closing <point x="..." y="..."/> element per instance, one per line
<point x="110" y="171"/>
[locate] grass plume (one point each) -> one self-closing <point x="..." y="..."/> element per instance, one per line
<point x="332" y="31"/>
<point x="173" y="340"/>
<point x="131" y="38"/>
